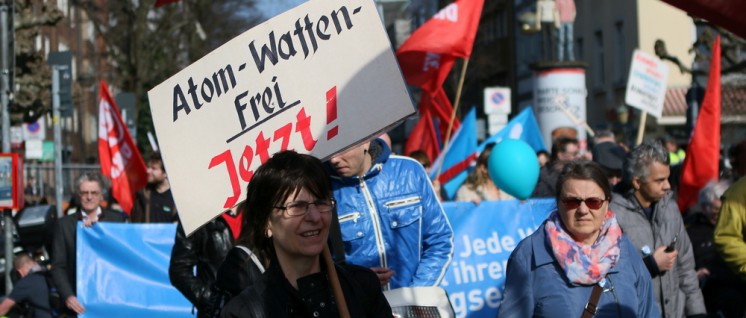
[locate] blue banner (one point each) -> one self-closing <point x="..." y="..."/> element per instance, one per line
<point x="122" y="271"/>
<point x="123" y="268"/>
<point x="484" y="235"/>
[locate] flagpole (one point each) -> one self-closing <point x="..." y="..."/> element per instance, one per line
<point x="641" y="129"/>
<point x="456" y="103"/>
<point x="577" y="120"/>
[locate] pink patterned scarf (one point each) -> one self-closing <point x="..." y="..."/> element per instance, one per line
<point x="585" y="264"/>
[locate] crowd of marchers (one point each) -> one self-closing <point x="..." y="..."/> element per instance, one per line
<point x="616" y="244"/>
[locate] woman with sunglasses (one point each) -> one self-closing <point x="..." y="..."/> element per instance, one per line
<point x="290" y="207"/>
<point x="578" y="263"/>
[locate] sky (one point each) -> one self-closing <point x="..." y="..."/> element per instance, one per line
<point x="271" y="8"/>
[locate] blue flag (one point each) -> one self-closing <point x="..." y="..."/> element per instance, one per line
<point x="523" y="127"/>
<point x="458" y="156"/>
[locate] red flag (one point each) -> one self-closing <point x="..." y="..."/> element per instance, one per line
<point x="451" y="31"/>
<point x="425" y="70"/>
<point x="441" y="107"/>
<point x="703" y="153"/>
<point x="120" y="159"/>
<point x="435" y="112"/>
<point x="159" y="3"/>
<point x="428" y="55"/>
<point x="423" y="137"/>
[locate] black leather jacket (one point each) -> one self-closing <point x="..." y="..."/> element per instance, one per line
<point x="272" y="296"/>
<point x="206" y="248"/>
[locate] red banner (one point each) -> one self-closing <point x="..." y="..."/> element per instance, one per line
<point x="425" y="70"/>
<point x="428" y="55"/>
<point x="702" y="161"/>
<point x="120" y="159"/>
<point x="451" y="31"/>
<point x="423" y="137"/>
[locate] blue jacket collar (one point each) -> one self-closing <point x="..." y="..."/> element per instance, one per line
<point x="541" y="249"/>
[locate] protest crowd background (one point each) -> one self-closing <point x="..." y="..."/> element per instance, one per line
<point x="429" y="160"/>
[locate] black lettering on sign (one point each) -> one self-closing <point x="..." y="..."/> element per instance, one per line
<point x="303" y="35"/>
<point x="211" y="87"/>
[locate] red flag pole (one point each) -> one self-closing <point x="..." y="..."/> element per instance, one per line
<point x="456" y="103"/>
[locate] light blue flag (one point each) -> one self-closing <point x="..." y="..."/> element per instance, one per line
<point x="122" y="271"/>
<point x="523" y="127"/>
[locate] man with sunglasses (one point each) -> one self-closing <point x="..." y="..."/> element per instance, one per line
<point x="64" y="245"/>
<point x="651" y="218"/>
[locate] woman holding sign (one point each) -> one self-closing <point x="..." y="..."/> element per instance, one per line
<point x="578" y="263"/>
<point x="290" y="207"/>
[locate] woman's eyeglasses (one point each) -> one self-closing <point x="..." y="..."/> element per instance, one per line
<point x="574" y="203"/>
<point x="298" y="208"/>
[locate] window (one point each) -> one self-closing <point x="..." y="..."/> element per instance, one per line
<point x="598" y="60"/>
<point x="620" y="58"/>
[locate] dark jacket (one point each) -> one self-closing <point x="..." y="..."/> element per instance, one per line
<point x="723" y="290"/>
<point x="205" y="248"/>
<point x="546" y="187"/>
<point x="272" y="296"/>
<point x="239" y="269"/>
<point x="150" y="206"/>
<point x="64" y="248"/>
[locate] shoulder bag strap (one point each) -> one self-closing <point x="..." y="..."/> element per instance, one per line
<point x="590" y="308"/>
<point x="253" y="257"/>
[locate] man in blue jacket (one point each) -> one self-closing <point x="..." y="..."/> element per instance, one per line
<point x="390" y="217"/>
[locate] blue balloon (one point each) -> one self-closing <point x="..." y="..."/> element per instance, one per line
<point x="514" y="168"/>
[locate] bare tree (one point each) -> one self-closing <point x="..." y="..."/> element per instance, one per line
<point x="144" y="45"/>
<point x="33" y="76"/>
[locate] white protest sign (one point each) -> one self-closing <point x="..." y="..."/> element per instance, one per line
<point x="646" y="86"/>
<point x="315" y="79"/>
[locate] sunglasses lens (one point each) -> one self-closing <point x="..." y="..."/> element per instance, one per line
<point x="571" y="203"/>
<point x="574" y="203"/>
<point x="594" y="203"/>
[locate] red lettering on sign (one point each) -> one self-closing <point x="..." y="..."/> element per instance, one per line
<point x="303" y="125"/>
<point x="244" y="164"/>
<point x="331" y="112"/>
<point x="231" y="166"/>
<point x="284" y="134"/>
<point x="262" y="145"/>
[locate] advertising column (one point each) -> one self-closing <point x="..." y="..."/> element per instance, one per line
<point x="559" y="103"/>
